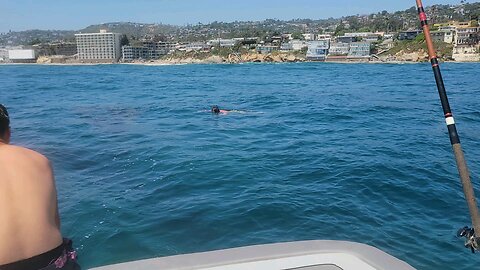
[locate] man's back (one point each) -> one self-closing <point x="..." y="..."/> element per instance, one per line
<point x="29" y="222"/>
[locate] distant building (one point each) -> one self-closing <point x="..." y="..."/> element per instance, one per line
<point x="197" y="46"/>
<point x="467" y="35"/>
<point x="324" y="36"/>
<point x="287" y="46"/>
<point x="466" y="53"/>
<point x="366" y="36"/>
<point x="298" y="45"/>
<point x="447" y="27"/>
<point x="446" y="36"/>
<point x="409" y="35"/>
<point x="250" y="41"/>
<point x="294" y="45"/>
<point x="339" y="49"/>
<point x="318" y="50"/>
<point x="345" y="39"/>
<point x="158" y="49"/>
<point x="388" y="36"/>
<point x="130" y="53"/>
<point x="150" y="50"/>
<point x="224" y="43"/>
<point x="309" y="36"/>
<point x="359" y="50"/>
<point x="99" y="47"/>
<point x="276" y="39"/>
<point x="22" y="56"/>
<point x="265" y="49"/>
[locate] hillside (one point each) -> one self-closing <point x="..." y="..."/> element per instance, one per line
<point x="381" y="21"/>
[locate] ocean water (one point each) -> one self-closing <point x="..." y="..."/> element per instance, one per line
<point x="355" y="152"/>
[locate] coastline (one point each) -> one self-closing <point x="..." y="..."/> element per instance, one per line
<point x="228" y="63"/>
<point x="275" y="58"/>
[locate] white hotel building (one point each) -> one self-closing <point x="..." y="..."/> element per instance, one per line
<point x="99" y="47"/>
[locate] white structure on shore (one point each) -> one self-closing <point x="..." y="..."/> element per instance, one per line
<point x="318" y="50"/>
<point x="22" y="56"/>
<point x="98" y="47"/>
<point x="3" y="54"/>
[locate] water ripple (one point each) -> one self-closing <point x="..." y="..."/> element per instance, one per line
<point x="318" y="151"/>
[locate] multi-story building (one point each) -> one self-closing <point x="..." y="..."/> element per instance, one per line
<point x="339" y="49"/>
<point x="466" y="53"/>
<point x="197" y="46"/>
<point x="287" y="46"/>
<point x="309" y="36"/>
<point x="265" y="49"/>
<point x="467" y="35"/>
<point x="130" y="53"/>
<point x="366" y="36"/>
<point x="150" y="50"/>
<point x="22" y="56"/>
<point x="224" y="43"/>
<point x="158" y="49"/>
<point x="324" y="36"/>
<point x="467" y="42"/>
<point x="359" y="49"/>
<point x="346" y="39"/>
<point x="98" y="47"/>
<point x="318" y="50"/>
<point x="409" y="35"/>
<point x="443" y="35"/>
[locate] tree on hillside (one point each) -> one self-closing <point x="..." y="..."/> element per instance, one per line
<point x="35" y="41"/>
<point x="124" y="40"/>
<point x="297" y="35"/>
<point x="340" y="30"/>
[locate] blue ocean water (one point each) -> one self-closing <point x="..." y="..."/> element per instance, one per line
<point x="354" y="152"/>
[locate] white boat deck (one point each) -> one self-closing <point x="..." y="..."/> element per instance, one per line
<point x="306" y="255"/>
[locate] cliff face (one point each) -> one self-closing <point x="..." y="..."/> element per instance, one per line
<point x="233" y="58"/>
<point x="417" y="56"/>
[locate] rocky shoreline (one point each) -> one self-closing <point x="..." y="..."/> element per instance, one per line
<point x="250" y="57"/>
<point x="230" y="59"/>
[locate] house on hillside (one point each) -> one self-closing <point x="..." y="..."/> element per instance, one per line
<point x="409" y="35"/>
<point x="446" y="36"/>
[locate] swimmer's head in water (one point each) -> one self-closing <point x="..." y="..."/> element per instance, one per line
<point x="215" y="109"/>
<point x="4" y="120"/>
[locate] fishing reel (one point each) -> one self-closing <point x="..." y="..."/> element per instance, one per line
<point x="471" y="240"/>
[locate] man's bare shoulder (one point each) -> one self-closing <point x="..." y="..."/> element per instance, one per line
<point x="16" y="152"/>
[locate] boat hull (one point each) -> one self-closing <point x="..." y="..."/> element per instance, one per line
<point x="306" y="255"/>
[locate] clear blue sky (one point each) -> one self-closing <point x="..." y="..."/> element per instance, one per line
<point x="18" y="15"/>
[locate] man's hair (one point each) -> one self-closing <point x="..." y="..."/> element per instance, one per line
<point x="4" y="120"/>
<point x="215" y="109"/>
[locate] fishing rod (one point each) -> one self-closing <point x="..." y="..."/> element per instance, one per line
<point x="472" y="240"/>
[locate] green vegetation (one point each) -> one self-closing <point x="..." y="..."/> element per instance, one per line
<point x="35" y="41"/>
<point x="298" y="35"/>
<point x="124" y="41"/>
<point x="444" y="50"/>
<point x="225" y="51"/>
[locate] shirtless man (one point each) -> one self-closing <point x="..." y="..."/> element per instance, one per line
<point x="30" y="236"/>
<point x="217" y="110"/>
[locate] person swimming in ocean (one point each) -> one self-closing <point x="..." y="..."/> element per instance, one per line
<point x="217" y="110"/>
